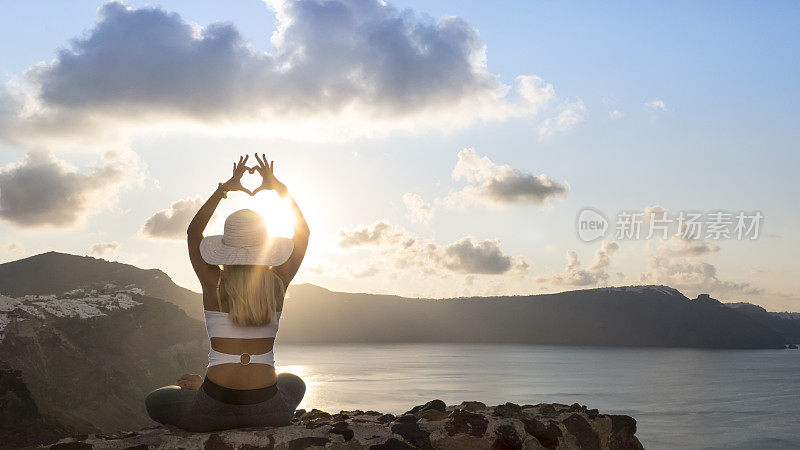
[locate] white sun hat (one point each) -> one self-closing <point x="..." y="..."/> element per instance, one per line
<point x="246" y="242"/>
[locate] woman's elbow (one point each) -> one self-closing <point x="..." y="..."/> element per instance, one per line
<point x="302" y="229"/>
<point x="193" y="236"/>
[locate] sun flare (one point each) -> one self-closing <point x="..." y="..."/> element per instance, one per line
<point x="276" y="212"/>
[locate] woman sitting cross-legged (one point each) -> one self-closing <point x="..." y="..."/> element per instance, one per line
<point x="243" y="301"/>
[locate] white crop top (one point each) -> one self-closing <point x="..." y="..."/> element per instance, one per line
<point x="219" y="325"/>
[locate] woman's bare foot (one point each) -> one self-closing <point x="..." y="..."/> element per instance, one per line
<point x="190" y="381"/>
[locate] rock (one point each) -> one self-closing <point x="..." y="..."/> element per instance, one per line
<point x="507" y="438"/>
<point x="406" y="418"/>
<point x="508" y="410"/>
<point x="465" y="422"/>
<point x="472" y="406"/>
<point x="548" y="434"/>
<point x="386" y="418"/>
<point x="470" y="425"/>
<point x="437" y="405"/>
<point x="413" y="434"/>
<point x="341" y="428"/>
<point x="433" y="414"/>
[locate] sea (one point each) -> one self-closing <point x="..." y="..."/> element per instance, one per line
<point x="680" y="398"/>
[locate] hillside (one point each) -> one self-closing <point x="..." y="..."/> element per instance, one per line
<point x="787" y="324"/>
<point x="56" y="273"/>
<point x="87" y="362"/>
<point x="644" y="316"/>
<point x="640" y="316"/>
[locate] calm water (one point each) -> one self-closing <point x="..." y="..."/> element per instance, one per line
<point x="680" y="398"/>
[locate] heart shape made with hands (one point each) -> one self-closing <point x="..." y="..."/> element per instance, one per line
<point x="249" y="181"/>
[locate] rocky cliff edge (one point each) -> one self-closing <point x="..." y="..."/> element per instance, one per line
<point x="470" y="425"/>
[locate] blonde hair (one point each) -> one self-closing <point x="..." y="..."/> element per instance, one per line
<point x="253" y="293"/>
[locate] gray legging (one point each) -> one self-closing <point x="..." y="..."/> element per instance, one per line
<point x="195" y="410"/>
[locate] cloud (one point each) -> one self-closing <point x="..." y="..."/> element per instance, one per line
<point x="656" y="105"/>
<point x="406" y="251"/>
<point x="535" y="90"/>
<point x="574" y="274"/>
<point x="379" y="233"/>
<point x="494" y="184"/>
<point x="42" y="190"/>
<point x="684" y="246"/>
<point x="616" y="114"/>
<point x="339" y="68"/>
<point x="677" y="262"/>
<point x="103" y="249"/>
<point x="364" y="270"/>
<point x="469" y="257"/>
<point x="683" y="273"/>
<point x="171" y="223"/>
<point x="570" y="116"/>
<point x="418" y="209"/>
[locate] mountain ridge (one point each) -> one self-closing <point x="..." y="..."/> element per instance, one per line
<point x="652" y="315"/>
<point x="66" y="272"/>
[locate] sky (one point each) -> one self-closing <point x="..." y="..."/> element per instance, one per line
<point x="436" y="149"/>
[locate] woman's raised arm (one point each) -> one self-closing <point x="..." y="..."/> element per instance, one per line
<point x="209" y="273"/>
<point x="289" y="269"/>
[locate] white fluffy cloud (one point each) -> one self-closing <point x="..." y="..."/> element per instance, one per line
<point x="42" y="190"/>
<point x="494" y="184"/>
<point x="574" y="274"/>
<point x="171" y="223"/>
<point x="338" y="68"/>
<point x="572" y="114"/>
<point x="418" y="209"/>
<point x="677" y="262"/>
<point x="656" y="105"/>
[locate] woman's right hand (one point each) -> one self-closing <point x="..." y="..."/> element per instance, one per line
<point x="235" y="183"/>
<point x="190" y="381"/>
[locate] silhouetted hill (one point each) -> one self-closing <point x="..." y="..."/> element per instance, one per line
<point x="656" y="316"/>
<point x="56" y="273"/>
<point x="787" y="324"/>
<point x="641" y="316"/>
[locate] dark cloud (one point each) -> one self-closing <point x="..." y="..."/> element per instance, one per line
<point x="44" y="190"/>
<point x="379" y="233"/>
<point x="494" y="183"/>
<point x="171" y="223"/>
<point x="466" y="256"/>
<point x="329" y="57"/>
<point x="406" y="251"/>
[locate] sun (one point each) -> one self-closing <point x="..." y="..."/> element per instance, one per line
<point x="277" y="212"/>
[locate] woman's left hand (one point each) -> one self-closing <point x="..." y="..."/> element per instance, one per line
<point x="265" y="168"/>
<point x="190" y="381"/>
